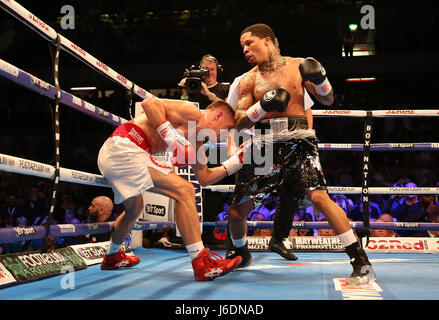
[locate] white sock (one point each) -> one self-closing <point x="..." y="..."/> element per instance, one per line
<point x="113" y="248"/>
<point x="347" y="238"/>
<point x="194" y="249"/>
<point x="238" y="243"/>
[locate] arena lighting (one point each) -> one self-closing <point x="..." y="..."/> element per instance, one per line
<point x="360" y="79"/>
<point x="353" y="27"/>
<point x="83" y="88"/>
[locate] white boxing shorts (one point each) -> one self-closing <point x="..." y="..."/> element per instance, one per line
<point x="124" y="160"/>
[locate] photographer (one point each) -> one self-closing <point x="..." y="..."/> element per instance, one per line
<point x="202" y="85"/>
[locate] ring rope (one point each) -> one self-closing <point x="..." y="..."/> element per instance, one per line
<point x="65" y="230"/>
<point x="349" y="190"/>
<point x="408" y="226"/>
<point x="33" y="168"/>
<point x="417" y="146"/>
<point x="376" y="113"/>
<point x="37" y="85"/>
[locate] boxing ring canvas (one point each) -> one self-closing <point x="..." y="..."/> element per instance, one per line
<point x="167" y="275"/>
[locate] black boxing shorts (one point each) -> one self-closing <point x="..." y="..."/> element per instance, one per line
<point x="295" y="163"/>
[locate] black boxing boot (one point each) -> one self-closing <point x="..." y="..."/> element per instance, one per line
<point x="243" y="252"/>
<point x="363" y="271"/>
<point x="279" y="248"/>
<point x="282" y="221"/>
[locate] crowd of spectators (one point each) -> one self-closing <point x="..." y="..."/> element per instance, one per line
<point x="25" y="202"/>
<point x="382" y="208"/>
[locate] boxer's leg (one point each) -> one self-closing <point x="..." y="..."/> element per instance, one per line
<point x="115" y="257"/>
<point x="238" y="232"/>
<point x="339" y="222"/>
<point x="174" y="186"/>
<point x="282" y="221"/>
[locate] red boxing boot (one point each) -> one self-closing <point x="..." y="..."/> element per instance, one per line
<point x="207" y="268"/>
<point x="117" y="260"/>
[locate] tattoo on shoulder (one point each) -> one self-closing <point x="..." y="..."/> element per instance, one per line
<point x="246" y="86"/>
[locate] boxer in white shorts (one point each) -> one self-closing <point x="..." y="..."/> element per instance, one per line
<point x="126" y="161"/>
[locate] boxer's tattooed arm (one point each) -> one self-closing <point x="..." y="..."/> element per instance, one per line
<point x="245" y="100"/>
<point x="326" y="100"/>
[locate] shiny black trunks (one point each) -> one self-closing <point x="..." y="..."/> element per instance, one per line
<point x="295" y="166"/>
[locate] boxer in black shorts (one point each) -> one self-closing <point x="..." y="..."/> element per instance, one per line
<point x="269" y="94"/>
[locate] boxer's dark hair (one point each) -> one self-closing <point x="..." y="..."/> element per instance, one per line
<point x="260" y="30"/>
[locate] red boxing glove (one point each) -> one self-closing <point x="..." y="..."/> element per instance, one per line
<point x="183" y="153"/>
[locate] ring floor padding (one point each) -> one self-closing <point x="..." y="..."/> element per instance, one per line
<point x="167" y="275"/>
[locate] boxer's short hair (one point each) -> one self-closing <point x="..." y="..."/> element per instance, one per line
<point x="222" y="104"/>
<point x="260" y="30"/>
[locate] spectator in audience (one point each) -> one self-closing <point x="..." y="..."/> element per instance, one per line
<point x="433" y="217"/>
<point x="344" y="202"/>
<point x="221" y="233"/>
<point x="410" y="211"/>
<point x="156" y="238"/>
<point x="257" y="216"/>
<point x="34" y="205"/>
<point x="385" y="217"/>
<point x="12" y="210"/>
<point x="348" y="43"/>
<point x="69" y="216"/>
<point x="294" y="232"/>
<point x="394" y="200"/>
<point x="100" y="210"/>
<point x="357" y="212"/>
<point x="52" y="242"/>
<point x="425" y="201"/>
<point x="223" y="215"/>
<point x="268" y="207"/>
<point x="305" y="232"/>
<point x="17" y="246"/>
<point x="325" y="232"/>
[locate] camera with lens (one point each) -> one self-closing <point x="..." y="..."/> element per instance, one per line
<point x="193" y="79"/>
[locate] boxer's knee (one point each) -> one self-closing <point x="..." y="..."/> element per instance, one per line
<point x="319" y="198"/>
<point x="133" y="208"/>
<point x="185" y="191"/>
<point x="241" y="211"/>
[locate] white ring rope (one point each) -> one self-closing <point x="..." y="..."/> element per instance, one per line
<point x="375" y="113"/>
<point x="416" y="146"/>
<point x="35" y="84"/>
<point x="350" y="190"/>
<point x="42" y="170"/>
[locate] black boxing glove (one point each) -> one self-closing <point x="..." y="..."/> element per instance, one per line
<point x="311" y="70"/>
<point x="274" y="100"/>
